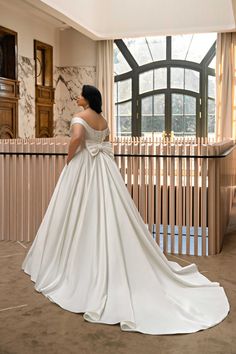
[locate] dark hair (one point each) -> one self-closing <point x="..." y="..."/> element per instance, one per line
<point x="93" y="96"/>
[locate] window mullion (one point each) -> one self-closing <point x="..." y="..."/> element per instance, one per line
<point x="136" y="116"/>
<point x="126" y="53"/>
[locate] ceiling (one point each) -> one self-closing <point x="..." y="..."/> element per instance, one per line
<point x="111" y="19"/>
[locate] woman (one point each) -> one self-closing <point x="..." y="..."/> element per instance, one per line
<point x="93" y="253"/>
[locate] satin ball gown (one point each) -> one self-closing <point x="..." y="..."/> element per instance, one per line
<point x="94" y="255"/>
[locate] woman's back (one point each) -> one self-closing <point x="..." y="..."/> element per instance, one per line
<point x="95" y="120"/>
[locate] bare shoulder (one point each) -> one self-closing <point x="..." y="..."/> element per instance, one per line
<point x="95" y="120"/>
<point x="85" y="115"/>
<point x="80" y="114"/>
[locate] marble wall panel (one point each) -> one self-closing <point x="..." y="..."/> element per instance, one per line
<point x="68" y="82"/>
<point x="26" y="118"/>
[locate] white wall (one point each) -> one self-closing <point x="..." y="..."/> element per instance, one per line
<point x="19" y="17"/>
<point x="74" y="59"/>
<point x="70" y="48"/>
<point x="76" y="49"/>
<point x="167" y="17"/>
<point x="106" y="19"/>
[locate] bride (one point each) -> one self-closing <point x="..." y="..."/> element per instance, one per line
<point x="93" y="253"/>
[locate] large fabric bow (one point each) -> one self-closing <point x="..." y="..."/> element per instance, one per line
<point x="95" y="147"/>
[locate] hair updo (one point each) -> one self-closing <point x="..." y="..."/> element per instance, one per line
<point x="93" y="96"/>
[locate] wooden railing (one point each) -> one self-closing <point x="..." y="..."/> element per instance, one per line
<point x="183" y="190"/>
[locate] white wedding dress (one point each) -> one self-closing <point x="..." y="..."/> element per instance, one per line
<point x="94" y="254"/>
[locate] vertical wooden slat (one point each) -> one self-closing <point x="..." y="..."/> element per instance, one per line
<point x="57" y="166"/>
<point x="172" y="199"/>
<point x="46" y="174"/>
<point x="158" y="193"/>
<point x="143" y="194"/>
<point x="19" y="193"/>
<point x="135" y="174"/>
<point x="188" y="200"/>
<point x="196" y="200"/>
<point x="129" y="168"/>
<point x="52" y="169"/>
<point x="13" y="191"/>
<point x="211" y="203"/>
<point x="39" y="189"/>
<point x="183" y="187"/>
<point x="122" y="165"/>
<point x="179" y="200"/>
<point x="26" y="192"/>
<point x="165" y="201"/>
<point x="32" y="190"/>
<point x="218" y="211"/>
<point x="6" y="219"/>
<point x="203" y="198"/>
<point x="43" y="177"/>
<point x="150" y="189"/>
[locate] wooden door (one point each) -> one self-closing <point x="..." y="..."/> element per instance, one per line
<point x="44" y="91"/>
<point x="9" y="85"/>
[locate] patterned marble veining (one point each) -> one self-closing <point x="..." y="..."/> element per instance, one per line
<point x="68" y="82"/>
<point x="26" y="119"/>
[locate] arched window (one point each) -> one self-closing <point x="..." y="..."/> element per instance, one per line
<point x="165" y="84"/>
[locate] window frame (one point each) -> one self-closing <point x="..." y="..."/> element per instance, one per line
<point x="201" y="97"/>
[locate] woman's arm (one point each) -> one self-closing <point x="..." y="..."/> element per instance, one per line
<point x="77" y="138"/>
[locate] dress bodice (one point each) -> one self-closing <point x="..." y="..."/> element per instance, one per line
<point x="91" y="133"/>
<point x="94" y="139"/>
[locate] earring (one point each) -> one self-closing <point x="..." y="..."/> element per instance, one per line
<point x="87" y="106"/>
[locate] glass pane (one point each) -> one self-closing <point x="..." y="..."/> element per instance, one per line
<point x="180" y="45"/>
<point x="147" y="106"/>
<point x="211" y="118"/>
<point x="146" y="81"/>
<point x="153" y="115"/>
<point x="160" y="78"/>
<point x="159" y="105"/>
<point x="123" y="119"/>
<point x="212" y="64"/>
<point x="192" y="47"/>
<point x="191" y="80"/>
<point x="200" y="45"/>
<point x="185" y="79"/>
<point x="120" y="64"/>
<point x="157" y="47"/>
<point x="183" y="121"/>
<point x="123" y="90"/>
<point x="189" y="105"/>
<point x="177" y="78"/>
<point x="211" y="86"/>
<point x="40" y="66"/>
<point x="139" y="49"/>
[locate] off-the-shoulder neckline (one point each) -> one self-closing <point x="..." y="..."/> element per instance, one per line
<point x="96" y="130"/>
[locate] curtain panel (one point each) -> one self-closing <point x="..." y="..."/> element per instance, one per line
<point x="225" y="86"/>
<point x="105" y="80"/>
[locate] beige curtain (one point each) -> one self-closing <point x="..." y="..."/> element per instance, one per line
<point x="225" y="86"/>
<point x="105" y="80"/>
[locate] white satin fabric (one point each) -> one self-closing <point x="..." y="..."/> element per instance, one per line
<point x="94" y="254"/>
